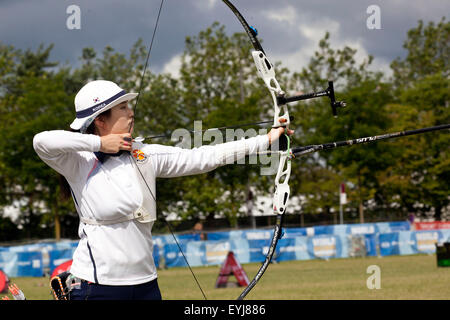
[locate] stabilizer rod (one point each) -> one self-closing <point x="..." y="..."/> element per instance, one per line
<point x="328" y="92"/>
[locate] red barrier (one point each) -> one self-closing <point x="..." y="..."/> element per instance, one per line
<point x="4" y="281"/>
<point x="62" y="268"/>
<point x="432" y="225"/>
<point x="231" y="266"/>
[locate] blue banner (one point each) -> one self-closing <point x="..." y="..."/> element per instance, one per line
<point x="156" y="256"/>
<point x="412" y="242"/>
<point x="389" y="244"/>
<point x="370" y="242"/>
<point x="56" y="257"/>
<point x="344" y="229"/>
<point x="162" y="240"/>
<point x="22" y="264"/>
<point x="249" y="246"/>
<point x="326" y="247"/>
<point x="200" y="253"/>
<point x="292" y="249"/>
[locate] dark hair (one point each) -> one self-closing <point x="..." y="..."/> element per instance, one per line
<point x="91" y="128"/>
<point x="64" y="185"/>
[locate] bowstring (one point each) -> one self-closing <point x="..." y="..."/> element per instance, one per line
<point x="131" y="157"/>
<point x="148" y="57"/>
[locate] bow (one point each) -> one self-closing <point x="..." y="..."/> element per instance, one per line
<point x="281" y="119"/>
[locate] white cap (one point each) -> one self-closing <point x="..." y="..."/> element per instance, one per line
<point x="94" y="98"/>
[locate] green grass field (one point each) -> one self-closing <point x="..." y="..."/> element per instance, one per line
<point x="402" y="277"/>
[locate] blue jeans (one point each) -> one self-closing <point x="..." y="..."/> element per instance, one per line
<point x="92" y="291"/>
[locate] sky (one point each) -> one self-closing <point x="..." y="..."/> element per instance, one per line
<point x="289" y="29"/>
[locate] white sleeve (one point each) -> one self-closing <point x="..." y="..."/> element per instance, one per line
<point x="175" y="162"/>
<point x="61" y="150"/>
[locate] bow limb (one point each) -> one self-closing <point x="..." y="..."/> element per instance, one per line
<point x="265" y="70"/>
<point x="277" y="232"/>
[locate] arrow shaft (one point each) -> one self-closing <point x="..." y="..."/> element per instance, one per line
<point x="299" y="151"/>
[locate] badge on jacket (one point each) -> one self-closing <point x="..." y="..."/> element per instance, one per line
<point x="140" y="156"/>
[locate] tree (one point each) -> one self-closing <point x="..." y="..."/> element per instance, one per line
<point x="218" y="86"/>
<point x="420" y="177"/>
<point x="422" y="81"/>
<point x="428" y="53"/>
<point x="366" y="97"/>
<point x="34" y="100"/>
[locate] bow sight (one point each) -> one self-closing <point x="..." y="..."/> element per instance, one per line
<point x="328" y="92"/>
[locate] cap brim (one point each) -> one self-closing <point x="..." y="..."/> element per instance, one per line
<point x="78" y="122"/>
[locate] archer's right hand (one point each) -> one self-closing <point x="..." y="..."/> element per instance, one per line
<point x="113" y="143"/>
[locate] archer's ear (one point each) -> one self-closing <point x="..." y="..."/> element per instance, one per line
<point x="100" y="122"/>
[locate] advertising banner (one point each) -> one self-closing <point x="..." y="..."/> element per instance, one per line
<point x="323" y="247"/>
<point x="22" y="264"/>
<point x="370" y="242"/>
<point x="435" y="225"/>
<point x="412" y="242"/>
<point x="389" y="244"/>
<point x="342" y="229"/>
<point x="29" y="264"/>
<point x="293" y="249"/>
<point x="249" y="246"/>
<point x="57" y="257"/>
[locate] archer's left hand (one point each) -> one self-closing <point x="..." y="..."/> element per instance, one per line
<point x="275" y="133"/>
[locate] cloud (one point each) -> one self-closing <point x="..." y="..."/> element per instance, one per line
<point x="173" y="66"/>
<point x="287" y="14"/>
<point x="289" y="29"/>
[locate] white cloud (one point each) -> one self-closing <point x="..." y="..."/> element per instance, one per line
<point x="287" y="14"/>
<point x="315" y="30"/>
<point x="173" y="66"/>
<point x="309" y="32"/>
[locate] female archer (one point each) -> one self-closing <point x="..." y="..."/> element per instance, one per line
<point x="110" y="189"/>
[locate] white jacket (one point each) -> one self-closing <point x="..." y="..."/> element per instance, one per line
<point x="121" y="253"/>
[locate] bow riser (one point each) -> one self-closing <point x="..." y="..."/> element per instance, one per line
<point x="267" y="72"/>
<point x="282" y="190"/>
